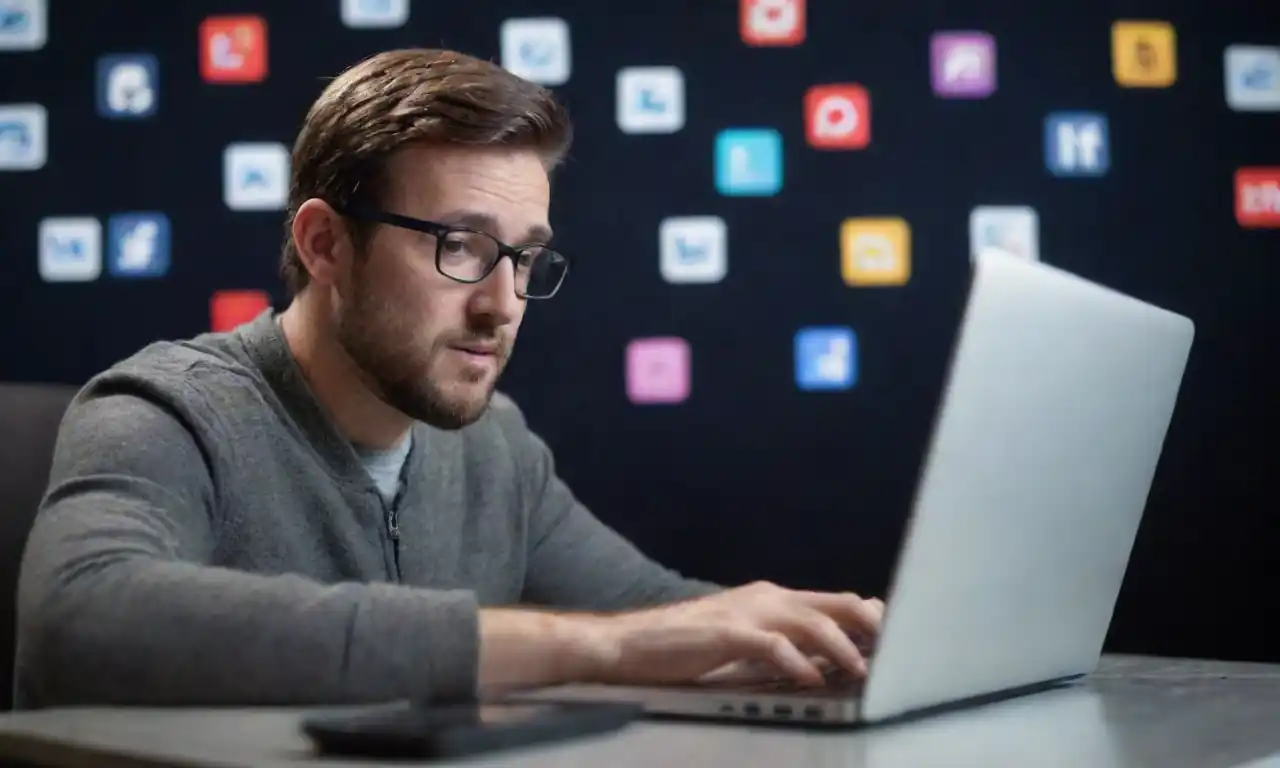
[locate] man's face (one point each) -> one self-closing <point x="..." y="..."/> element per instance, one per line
<point x="429" y="346"/>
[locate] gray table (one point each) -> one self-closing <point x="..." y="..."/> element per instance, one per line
<point x="1134" y="711"/>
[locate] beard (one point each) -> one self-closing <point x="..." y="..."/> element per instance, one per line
<point x="386" y="346"/>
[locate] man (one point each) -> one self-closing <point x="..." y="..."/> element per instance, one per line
<point x="332" y="505"/>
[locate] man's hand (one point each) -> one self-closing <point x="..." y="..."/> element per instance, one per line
<point x="756" y="624"/>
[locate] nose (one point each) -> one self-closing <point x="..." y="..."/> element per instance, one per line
<point x="495" y="296"/>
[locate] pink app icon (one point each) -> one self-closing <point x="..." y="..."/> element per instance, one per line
<point x="658" y="370"/>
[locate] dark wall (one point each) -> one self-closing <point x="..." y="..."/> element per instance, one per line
<point x="751" y="476"/>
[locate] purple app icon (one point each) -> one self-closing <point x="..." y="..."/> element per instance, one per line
<point x="964" y="64"/>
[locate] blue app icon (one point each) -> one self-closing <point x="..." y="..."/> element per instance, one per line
<point x="138" y="245"/>
<point x="826" y="358"/>
<point x="128" y="86"/>
<point x="748" y="162"/>
<point x="1077" y="144"/>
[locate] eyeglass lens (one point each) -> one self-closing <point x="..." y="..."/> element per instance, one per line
<point x="469" y="256"/>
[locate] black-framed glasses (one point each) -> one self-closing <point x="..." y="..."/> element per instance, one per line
<point x="468" y="255"/>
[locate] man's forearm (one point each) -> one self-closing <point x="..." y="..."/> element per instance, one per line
<point x="525" y="648"/>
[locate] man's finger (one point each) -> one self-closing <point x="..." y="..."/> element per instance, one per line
<point x="850" y="611"/>
<point x="830" y="640"/>
<point x="775" y="648"/>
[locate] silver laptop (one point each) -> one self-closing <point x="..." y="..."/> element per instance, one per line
<point x="1058" y="399"/>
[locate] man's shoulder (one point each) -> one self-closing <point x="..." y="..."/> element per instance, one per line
<point x="179" y="369"/>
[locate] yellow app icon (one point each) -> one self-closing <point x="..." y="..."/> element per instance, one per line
<point x="1144" y="54"/>
<point x="875" y="251"/>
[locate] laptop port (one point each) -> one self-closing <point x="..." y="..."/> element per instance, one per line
<point x="813" y="712"/>
<point x="782" y="710"/>
<point x="751" y="709"/>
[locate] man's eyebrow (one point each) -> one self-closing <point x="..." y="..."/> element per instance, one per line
<point x="486" y="223"/>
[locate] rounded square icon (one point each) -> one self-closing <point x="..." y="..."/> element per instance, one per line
<point x="837" y="116"/>
<point x="138" y="245"/>
<point x="375" y="14"/>
<point x="1077" y="144"/>
<point x="23" y="24"/>
<point x="536" y="49"/>
<point x="1144" y="54"/>
<point x="230" y="309"/>
<point x="233" y="49"/>
<point x="70" y="249"/>
<point x="771" y="22"/>
<point x="1011" y="229"/>
<point x="1252" y="78"/>
<point x="963" y="64"/>
<point x="658" y="370"/>
<point x="128" y="86"/>
<point x="255" y="176"/>
<point x="1257" y="197"/>
<point x="24" y="137"/>
<point x="693" y="249"/>
<point x="748" y="162"/>
<point x="875" y="251"/>
<point x="650" y="99"/>
<point x="826" y="358"/>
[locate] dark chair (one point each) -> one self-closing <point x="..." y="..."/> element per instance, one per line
<point x="29" y="418"/>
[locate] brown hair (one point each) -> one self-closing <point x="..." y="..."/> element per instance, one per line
<point x="392" y="99"/>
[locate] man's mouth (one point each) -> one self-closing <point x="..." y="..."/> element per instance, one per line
<point x="477" y="350"/>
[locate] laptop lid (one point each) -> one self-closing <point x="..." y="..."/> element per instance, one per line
<point x="1058" y="399"/>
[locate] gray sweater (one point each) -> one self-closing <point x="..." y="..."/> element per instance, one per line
<point x="208" y="537"/>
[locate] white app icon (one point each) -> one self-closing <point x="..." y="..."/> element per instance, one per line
<point x="129" y="89"/>
<point x="23" y="24"/>
<point x="23" y="137"/>
<point x="255" y="177"/>
<point x="1253" y="78"/>
<point x="1013" y="230"/>
<point x="650" y="99"/>
<point x="833" y="364"/>
<point x="835" y="116"/>
<point x="70" y="249"/>
<point x="138" y="246"/>
<point x="536" y="49"/>
<point x="874" y="253"/>
<point x="375" y="14"/>
<point x="773" y="18"/>
<point x="964" y="62"/>
<point x="693" y="249"/>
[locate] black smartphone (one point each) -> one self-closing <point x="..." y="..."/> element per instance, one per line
<point x="454" y="730"/>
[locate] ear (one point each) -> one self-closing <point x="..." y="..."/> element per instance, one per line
<point x="324" y="245"/>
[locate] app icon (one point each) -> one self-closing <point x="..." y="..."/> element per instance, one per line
<point x="1077" y="144"/>
<point x="233" y="49"/>
<point x="375" y="14"/>
<point x="658" y="370"/>
<point x="748" y="161"/>
<point x="771" y="22"/>
<point x="650" y="99"/>
<point x="537" y="49"/>
<point x="23" y="24"/>
<point x="1258" y="197"/>
<point x="826" y="358"/>
<point x="693" y="249"/>
<point x="23" y="137"/>
<point x="138" y="245"/>
<point x="70" y="249"/>
<point x="837" y="116"/>
<point x="964" y="64"/>
<point x="1009" y="229"/>
<point x="1253" y="78"/>
<point x="255" y="176"/>
<point x="128" y="86"/>
<point x="875" y="251"/>
<point x="1144" y="54"/>
<point x="229" y="309"/>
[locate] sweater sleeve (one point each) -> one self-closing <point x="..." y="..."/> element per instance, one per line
<point x="118" y="602"/>
<point x="575" y="560"/>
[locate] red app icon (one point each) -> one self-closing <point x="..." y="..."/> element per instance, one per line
<point x="1258" y="197"/>
<point x="837" y="116"/>
<point x="229" y="309"/>
<point x="771" y="22"/>
<point x="233" y="49"/>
